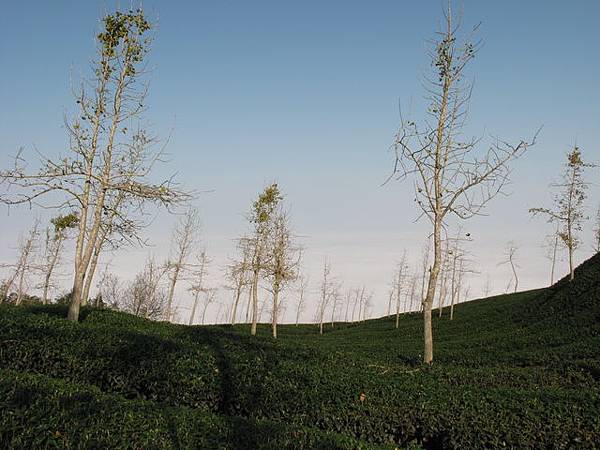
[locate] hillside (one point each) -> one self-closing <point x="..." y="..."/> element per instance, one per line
<point x="520" y="371"/>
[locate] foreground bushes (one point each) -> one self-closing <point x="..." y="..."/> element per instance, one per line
<point x="37" y="412"/>
<point x="518" y="371"/>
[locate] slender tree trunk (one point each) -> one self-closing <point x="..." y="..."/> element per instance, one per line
<point x="89" y="277"/>
<point x="355" y="303"/>
<point x="431" y="285"/>
<point x="21" y="286"/>
<point x="238" y="294"/>
<point x="456" y="299"/>
<point x="75" y="304"/>
<point x="51" y="266"/>
<point x="172" y="290"/>
<point x="275" y="312"/>
<point x="554" y="258"/>
<point x="254" y="303"/>
<point x="204" y="312"/>
<point x="347" y="309"/>
<point x="194" y="306"/>
<point x="514" y="271"/>
<point x="249" y="305"/>
<point x="321" y="315"/>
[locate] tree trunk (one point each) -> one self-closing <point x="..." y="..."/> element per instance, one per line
<point x="431" y="285"/>
<point x="571" y="268"/>
<point x="238" y="293"/>
<point x="254" y="304"/>
<point x="52" y="265"/>
<point x="75" y="305"/>
<point x="512" y="265"/>
<point x="20" y="286"/>
<point x="89" y="277"/>
<point x="554" y="258"/>
<point x="275" y="312"/>
<point x="194" y="306"/>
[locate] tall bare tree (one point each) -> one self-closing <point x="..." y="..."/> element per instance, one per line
<point x="183" y="240"/>
<point x="568" y="209"/>
<point x="53" y="246"/>
<point x="487" y="287"/>
<point x="24" y="267"/>
<point x="238" y="275"/>
<point x="209" y="298"/>
<point x="452" y="176"/>
<point x="597" y="232"/>
<point x="107" y="154"/>
<point x="301" y="296"/>
<point x="552" y="243"/>
<point x="399" y="284"/>
<point x="198" y="278"/>
<point x="326" y="292"/>
<point x="510" y="255"/>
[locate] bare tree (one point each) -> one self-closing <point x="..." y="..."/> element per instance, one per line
<point x="451" y="175"/>
<point x="282" y="264"/>
<point x="182" y="243"/>
<point x="356" y="292"/>
<point x="301" y="296"/>
<point x="238" y="275"/>
<point x="597" y="232"/>
<point x="367" y="303"/>
<point x="24" y="265"/>
<point x="146" y="295"/>
<point x="110" y="289"/>
<point x="487" y="287"/>
<point x="53" y="246"/>
<point x="398" y="287"/>
<point x="456" y="290"/>
<point x="510" y="259"/>
<point x="568" y="204"/>
<point x="326" y="294"/>
<point x="198" y="278"/>
<point x="413" y="291"/>
<point x="209" y="298"/>
<point x="107" y="154"/>
<point x="391" y="296"/>
<point x="551" y="245"/>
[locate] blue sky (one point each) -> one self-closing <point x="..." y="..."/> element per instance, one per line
<point x="307" y="93"/>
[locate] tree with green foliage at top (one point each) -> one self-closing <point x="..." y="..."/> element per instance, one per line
<point x="109" y="154"/>
<point x="568" y="210"/>
<point x="262" y="220"/>
<point x="452" y="175"/>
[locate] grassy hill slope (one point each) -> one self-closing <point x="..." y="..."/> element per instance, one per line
<point x="519" y="371"/>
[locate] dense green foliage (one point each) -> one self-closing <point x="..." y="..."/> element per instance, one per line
<point x="520" y="371"/>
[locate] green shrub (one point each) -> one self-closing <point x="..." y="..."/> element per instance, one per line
<point x="513" y="371"/>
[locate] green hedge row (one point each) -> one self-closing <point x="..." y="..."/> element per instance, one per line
<point x="40" y="413"/>
<point x="518" y="371"/>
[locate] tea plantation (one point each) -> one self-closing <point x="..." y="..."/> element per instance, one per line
<point x="512" y="371"/>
